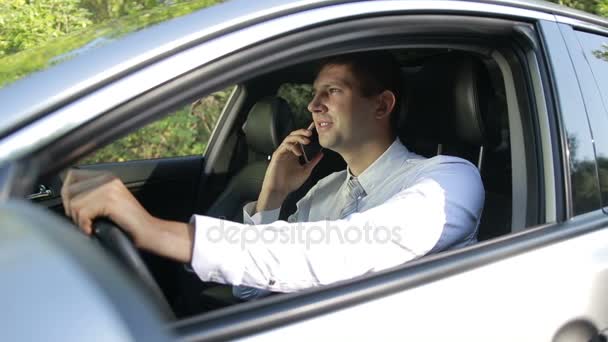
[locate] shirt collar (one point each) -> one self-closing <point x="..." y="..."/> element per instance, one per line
<point x="394" y="155"/>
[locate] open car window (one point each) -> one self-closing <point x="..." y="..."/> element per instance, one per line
<point x="184" y="132"/>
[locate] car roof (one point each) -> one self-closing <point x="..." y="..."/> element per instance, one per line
<point x="44" y="91"/>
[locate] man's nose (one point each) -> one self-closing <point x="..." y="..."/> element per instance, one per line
<point x="315" y="106"/>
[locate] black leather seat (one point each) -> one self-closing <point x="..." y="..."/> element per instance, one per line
<point x="454" y="110"/>
<point x="269" y="121"/>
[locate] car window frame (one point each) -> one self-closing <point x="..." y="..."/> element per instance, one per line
<point x="228" y="326"/>
<point x="561" y="72"/>
<point x="424" y="265"/>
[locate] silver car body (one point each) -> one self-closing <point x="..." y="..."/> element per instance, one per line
<point x="554" y="277"/>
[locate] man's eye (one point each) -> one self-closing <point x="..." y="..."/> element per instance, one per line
<point x="334" y="90"/>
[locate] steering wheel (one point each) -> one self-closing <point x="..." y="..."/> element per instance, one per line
<point x="120" y="245"/>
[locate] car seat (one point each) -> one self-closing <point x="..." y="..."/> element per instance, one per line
<point x="269" y="121"/>
<point x="455" y="109"/>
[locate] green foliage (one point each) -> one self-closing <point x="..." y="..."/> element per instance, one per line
<point x="602" y="8"/>
<point x="35" y="34"/>
<point x="15" y="65"/>
<point x="603" y="53"/>
<point x="298" y="96"/>
<point x="112" y="9"/>
<point x="599" y="7"/>
<point x="25" y="24"/>
<point x="183" y="133"/>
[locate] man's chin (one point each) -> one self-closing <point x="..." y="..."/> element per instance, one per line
<point x="327" y="144"/>
<point x="324" y="143"/>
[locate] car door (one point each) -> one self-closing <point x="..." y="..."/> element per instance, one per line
<point x="552" y="289"/>
<point x="546" y="282"/>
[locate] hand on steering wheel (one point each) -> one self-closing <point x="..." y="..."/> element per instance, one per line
<point x="88" y="195"/>
<point x="120" y="245"/>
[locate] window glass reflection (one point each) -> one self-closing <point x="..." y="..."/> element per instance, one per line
<point x="595" y="87"/>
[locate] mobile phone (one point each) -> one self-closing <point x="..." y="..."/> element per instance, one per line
<point x="313" y="148"/>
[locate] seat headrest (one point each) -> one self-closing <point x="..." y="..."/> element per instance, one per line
<point x="269" y="121"/>
<point x="450" y="99"/>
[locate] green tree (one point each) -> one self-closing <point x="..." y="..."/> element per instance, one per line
<point x="603" y="53"/>
<point x="602" y="8"/>
<point x="183" y="133"/>
<point x="298" y="96"/>
<point x="599" y="7"/>
<point x="45" y="51"/>
<point x="103" y="10"/>
<point x="28" y="23"/>
<point x="35" y="34"/>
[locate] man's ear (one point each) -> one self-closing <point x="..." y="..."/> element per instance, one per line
<point x="386" y="103"/>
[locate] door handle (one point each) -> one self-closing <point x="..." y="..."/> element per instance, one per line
<point x="43" y="192"/>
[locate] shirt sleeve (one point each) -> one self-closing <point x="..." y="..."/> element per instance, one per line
<point x="266" y="216"/>
<point x="287" y="257"/>
<point x="246" y="293"/>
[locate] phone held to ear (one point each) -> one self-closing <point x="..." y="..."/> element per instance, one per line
<point x="313" y="148"/>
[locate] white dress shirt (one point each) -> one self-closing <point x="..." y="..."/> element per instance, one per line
<point x="412" y="206"/>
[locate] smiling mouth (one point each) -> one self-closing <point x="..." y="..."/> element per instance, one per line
<point x="323" y="126"/>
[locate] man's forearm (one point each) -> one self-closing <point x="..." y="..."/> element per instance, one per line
<point x="168" y="238"/>
<point x="269" y="200"/>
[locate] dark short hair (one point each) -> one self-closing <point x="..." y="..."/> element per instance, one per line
<point x="375" y="71"/>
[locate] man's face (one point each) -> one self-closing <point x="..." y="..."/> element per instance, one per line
<point x="343" y="117"/>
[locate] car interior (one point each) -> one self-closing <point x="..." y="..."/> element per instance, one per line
<point x="454" y="102"/>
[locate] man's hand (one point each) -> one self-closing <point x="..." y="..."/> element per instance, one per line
<point x="87" y="195"/>
<point x="285" y="174"/>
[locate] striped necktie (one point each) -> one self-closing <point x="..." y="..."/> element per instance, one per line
<point x="355" y="193"/>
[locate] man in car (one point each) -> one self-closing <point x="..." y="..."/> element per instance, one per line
<point x="389" y="207"/>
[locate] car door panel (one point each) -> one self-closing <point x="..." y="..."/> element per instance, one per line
<point x="533" y="296"/>
<point x="517" y="288"/>
<point x="551" y="279"/>
<point x="166" y="187"/>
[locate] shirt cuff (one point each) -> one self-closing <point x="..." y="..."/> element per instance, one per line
<point x="265" y="216"/>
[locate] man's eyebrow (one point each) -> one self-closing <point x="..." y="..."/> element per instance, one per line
<point x="331" y="83"/>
